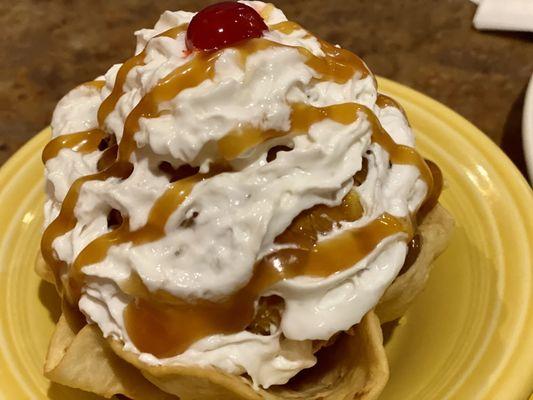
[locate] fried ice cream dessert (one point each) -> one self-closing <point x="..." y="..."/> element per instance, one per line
<point x="232" y="213"/>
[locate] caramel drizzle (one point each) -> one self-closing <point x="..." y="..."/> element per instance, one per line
<point x="303" y="116"/>
<point x="96" y="84"/>
<point x="310" y="257"/>
<point x="82" y="142"/>
<point x="383" y="101"/>
<point x="109" y="104"/>
<point x="338" y="65"/>
<point x="153" y="230"/>
<point x="429" y="171"/>
<point x="202" y="67"/>
<point x="144" y="316"/>
<point x="191" y="74"/>
<point x="108" y="167"/>
<point x="66" y="220"/>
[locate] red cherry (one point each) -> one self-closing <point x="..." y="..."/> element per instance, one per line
<point x="224" y="24"/>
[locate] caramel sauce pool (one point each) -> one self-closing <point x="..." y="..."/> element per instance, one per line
<point x="164" y="325"/>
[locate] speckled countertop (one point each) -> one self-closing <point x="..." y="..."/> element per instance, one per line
<point x="49" y="46"/>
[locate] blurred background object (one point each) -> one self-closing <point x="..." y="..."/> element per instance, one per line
<point x="527" y="129"/>
<point x="509" y="15"/>
<point x="512" y="15"/>
<point x="48" y="47"/>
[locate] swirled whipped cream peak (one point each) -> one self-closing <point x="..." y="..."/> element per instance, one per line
<point x="230" y="202"/>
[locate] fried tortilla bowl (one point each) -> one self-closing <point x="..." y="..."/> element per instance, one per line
<point x="354" y="366"/>
<point x="435" y="232"/>
<point x="79" y="357"/>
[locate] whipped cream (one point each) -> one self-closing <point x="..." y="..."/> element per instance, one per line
<point x="238" y="214"/>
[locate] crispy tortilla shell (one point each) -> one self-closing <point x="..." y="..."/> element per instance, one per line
<point x="79" y="357"/>
<point x="354" y="367"/>
<point x="435" y="232"/>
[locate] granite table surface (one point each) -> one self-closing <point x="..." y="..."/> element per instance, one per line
<point x="49" y="46"/>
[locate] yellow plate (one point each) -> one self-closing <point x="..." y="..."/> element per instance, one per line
<point x="468" y="336"/>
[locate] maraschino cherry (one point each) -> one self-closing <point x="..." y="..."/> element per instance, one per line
<point x="224" y="24"/>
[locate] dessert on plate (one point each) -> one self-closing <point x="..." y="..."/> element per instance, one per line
<point x="231" y="214"/>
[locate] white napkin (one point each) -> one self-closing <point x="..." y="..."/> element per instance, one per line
<point x="507" y="15"/>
